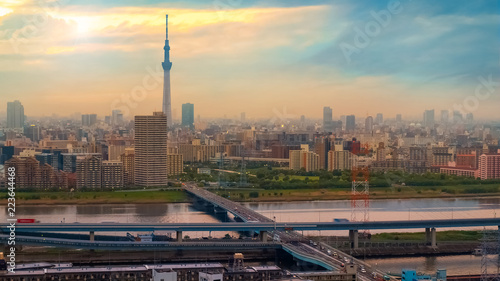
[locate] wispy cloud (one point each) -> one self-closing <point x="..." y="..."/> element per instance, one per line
<point x="257" y="55"/>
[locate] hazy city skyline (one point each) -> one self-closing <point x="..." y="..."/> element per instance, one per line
<point x="262" y="58"/>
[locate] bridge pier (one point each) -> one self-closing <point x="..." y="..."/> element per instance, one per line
<point x="179" y="236"/>
<point x="263" y="236"/>
<point x="433" y="237"/>
<point x="430" y="236"/>
<point x="427" y="235"/>
<point x="92" y="236"/>
<point x="354" y="238"/>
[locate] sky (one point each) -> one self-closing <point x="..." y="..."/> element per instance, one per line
<point x="268" y="59"/>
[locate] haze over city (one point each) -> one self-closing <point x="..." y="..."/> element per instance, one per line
<point x="259" y="140"/>
<point x="258" y="57"/>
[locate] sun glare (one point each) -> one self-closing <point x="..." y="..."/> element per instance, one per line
<point x="84" y="24"/>
<point x="4" y="11"/>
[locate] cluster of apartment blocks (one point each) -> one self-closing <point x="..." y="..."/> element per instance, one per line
<point x="86" y="170"/>
<point x="145" y="160"/>
<point x="324" y="157"/>
<point x="335" y="154"/>
<point x="64" y="164"/>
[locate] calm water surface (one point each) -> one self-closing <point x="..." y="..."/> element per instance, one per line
<point x="380" y="210"/>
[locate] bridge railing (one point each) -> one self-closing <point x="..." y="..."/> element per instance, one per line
<point x="319" y="259"/>
<point x="356" y="261"/>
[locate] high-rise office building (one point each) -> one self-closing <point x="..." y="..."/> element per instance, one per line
<point x="489" y="166"/>
<point x="127" y="158"/>
<point x="50" y="178"/>
<point x="175" y="164"/>
<point x="112" y="175"/>
<point x="28" y="172"/>
<point x="32" y="132"/>
<point x="304" y="159"/>
<point x="327" y="118"/>
<point x="369" y="125"/>
<point x="89" y="171"/>
<point x="167" y="65"/>
<point x="188" y="115"/>
<point x="15" y="115"/>
<point x="457" y="116"/>
<point x="6" y="153"/>
<point x="116" y="117"/>
<point x="243" y="117"/>
<point x="381" y="152"/>
<point x="327" y="114"/>
<point x="89" y="119"/>
<point x="350" y="123"/>
<point x="469" y="117"/>
<point x="445" y="117"/>
<point x="321" y="147"/>
<point x="115" y="151"/>
<point x="45" y="158"/>
<point x="399" y="118"/>
<point x="151" y="150"/>
<point x="68" y="160"/>
<point x="429" y="118"/>
<point x="340" y="160"/>
<point x="379" y="119"/>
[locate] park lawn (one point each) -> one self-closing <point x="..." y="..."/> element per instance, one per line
<point x="276" y="195"/>
<point x="99" y="197"/>
<point x="403" y="192"/>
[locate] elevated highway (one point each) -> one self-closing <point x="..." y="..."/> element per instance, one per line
<point x="290" y="240"/>
<point x="250" y="226"/>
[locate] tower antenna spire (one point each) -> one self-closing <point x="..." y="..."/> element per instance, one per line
<point x="166" y="27"/>
<point x="167" y="65"/>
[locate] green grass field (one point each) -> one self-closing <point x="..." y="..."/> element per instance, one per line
<point x="403" y="192"/>
<point x="450" y="235"/>
<point x="102" y="197"/>
<point x="269" y="195"/>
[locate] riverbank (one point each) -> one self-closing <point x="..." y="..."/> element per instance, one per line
<point x="101" y="197"/>
<point x="289" y="195"/>
<point x="441" y="236"/>
<point x="251" y="195"/>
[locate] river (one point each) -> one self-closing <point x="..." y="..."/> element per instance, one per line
<point x="394" y="209"/>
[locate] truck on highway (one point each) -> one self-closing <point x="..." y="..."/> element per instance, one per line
<point x="27" y="221"/>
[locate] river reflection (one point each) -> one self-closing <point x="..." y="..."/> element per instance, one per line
<point x="455" y="265"/>
<point x="380" y="210"/>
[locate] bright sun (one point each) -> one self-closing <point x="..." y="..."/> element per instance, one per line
<point x="83" y="24"/>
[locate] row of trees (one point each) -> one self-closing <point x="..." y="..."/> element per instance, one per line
<point x="268" y="177"/>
